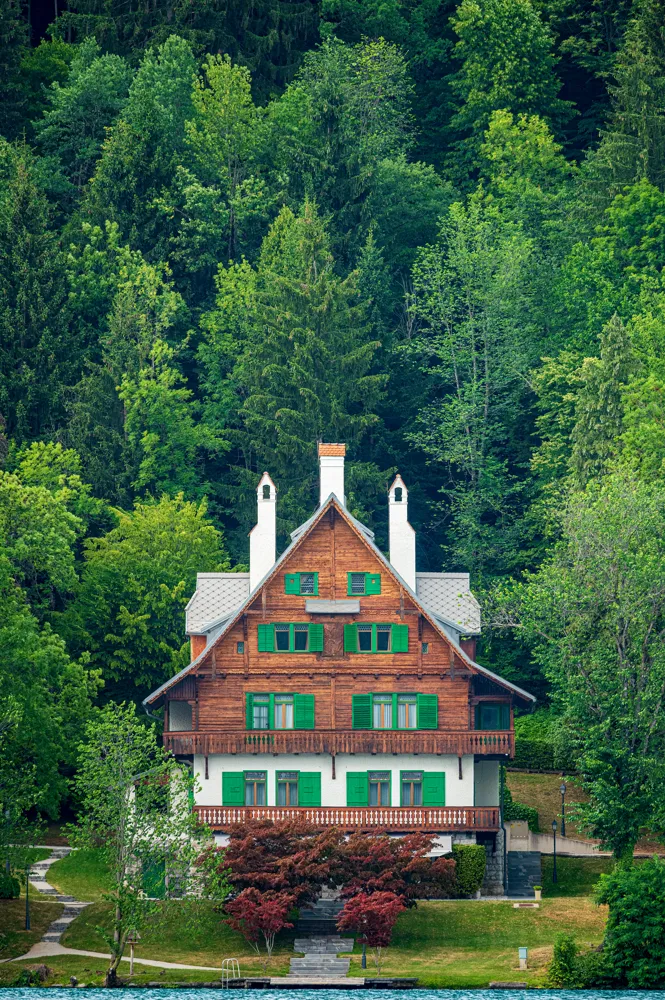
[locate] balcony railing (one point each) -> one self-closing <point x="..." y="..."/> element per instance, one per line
<point x="435" y="819"/>
<point x="389" y="741"/>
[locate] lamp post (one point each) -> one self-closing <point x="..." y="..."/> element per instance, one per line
<point x="554" y="878"/>
<point x="363" y="960"/>
<point x="27" y="897"/>
<point x="562" y="789"/>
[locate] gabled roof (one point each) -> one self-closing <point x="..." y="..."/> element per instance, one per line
<point x="298" y="536"/>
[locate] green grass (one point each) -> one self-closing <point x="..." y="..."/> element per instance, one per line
<point x="467" y="943"/>
<point x="575" y="876"/>
<point x="14" y="939"/>
<point x="189" y="933"/>
<point x="91" y="971"/>
<point x="38" y="854"/>
<point x="82" y="874"/>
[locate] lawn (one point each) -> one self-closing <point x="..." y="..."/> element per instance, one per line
<point x="81" y="874"/>
<point x="92" y="971"/>
<point x="14" y="939"/>
<point x="541" y="791"/>
<point x="468" y="943"/>
<point x="575" y="876"/>
<point x="189" y="933"/>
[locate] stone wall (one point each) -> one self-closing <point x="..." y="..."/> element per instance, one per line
<point x="493" y="881"/>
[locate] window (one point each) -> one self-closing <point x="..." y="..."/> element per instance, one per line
<point x="255" y="788"/>
<point x="379" y="788"/>
<point x="240" y="647"/>
<point x="425" y="647"/>
<point x="412" y="788"/>
<point x="301" y="583"/>
<point x="383" y="711"/>
<point x="376" y="638"/>
<point x="283" y="711"/>
<point x="492" y="715"/>
<point x="266" y="491"/>
<point x="394" y="711"/>
<point x="261" y="711"/>
<point x="359" y="584"/>
<point x="406" y="711"/>
<point x="291" y="637"/>
<point x="287" y="788"/>
<point x="398" y="494"/>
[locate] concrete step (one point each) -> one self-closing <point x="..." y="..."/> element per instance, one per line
<point x="323" y="946"/>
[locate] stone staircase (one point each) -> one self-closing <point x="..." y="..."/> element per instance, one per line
<point x="523" y="871"/>
<point x="321" y="944"/>
<point x="72" y="907"/>
<point x="321" y="919"/>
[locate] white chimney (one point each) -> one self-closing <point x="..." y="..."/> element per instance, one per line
<point x="263" y="536"/>
<point x="401" y="535"/>
<point x="331" y="465"/>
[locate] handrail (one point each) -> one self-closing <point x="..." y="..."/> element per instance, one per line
<point x="391" y="818"/>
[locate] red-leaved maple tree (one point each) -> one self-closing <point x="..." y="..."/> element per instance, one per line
<point x="372" y="918"/>
<point x="367" y="863"/>
<point x="286" y="857"/>
<point x="259" y="915"/>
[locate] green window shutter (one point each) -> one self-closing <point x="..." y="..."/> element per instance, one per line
<point x="309" y="788"/>
<point x="434" y="788"/>
<point x="373" y="583"/>
<point x="316" y="584"/>
<point x="427" y="711"/>
<point x="316" y="638"/>
<point x="249" y="711"/>
<point x="361" y="711"/>
<point x="303" y="711"/>
<point x="233" y="788"/>
<point x="505" y="717"/>
<point x="357" y="789"/>
<point x="292" y="583"/>
<point x="266" y="638"/>
<point x="351" y="638"/>
<point x="400" y="639"/>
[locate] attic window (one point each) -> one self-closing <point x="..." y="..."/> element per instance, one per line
<point x="398" y="494"/>
<point x="266" y="492"/>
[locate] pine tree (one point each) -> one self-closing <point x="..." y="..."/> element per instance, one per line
<point x="599" y="410"/>
<point x="14" y="40"/>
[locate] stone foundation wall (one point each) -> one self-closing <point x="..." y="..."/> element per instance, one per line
<point x="493" y="881"/>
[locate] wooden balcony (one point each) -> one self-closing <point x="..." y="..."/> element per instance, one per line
<point x="444" y="819"/>
<point x="500" y="743"/>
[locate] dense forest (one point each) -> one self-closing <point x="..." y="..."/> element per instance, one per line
<point x="434" y="231"/>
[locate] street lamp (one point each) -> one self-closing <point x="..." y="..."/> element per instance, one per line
<point x="554" y="878"/>
<point x="27" y="897"/>
<point x="363" y="961"/>
<point x="562" y="789"/>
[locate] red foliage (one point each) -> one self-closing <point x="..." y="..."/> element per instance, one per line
<point x="368" y="863"/>
<point x="259" y="915"/>
<point x="372" y="917"/>
<point x="288" y="857"/>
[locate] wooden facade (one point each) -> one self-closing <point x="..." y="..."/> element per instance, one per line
<point x="234" y="667"/>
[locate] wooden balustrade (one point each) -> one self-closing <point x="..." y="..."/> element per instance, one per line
<point x="406" y="819"/>
<point x="501" y="742"/>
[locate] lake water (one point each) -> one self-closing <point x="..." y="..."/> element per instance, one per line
<point x="304" y="994"/>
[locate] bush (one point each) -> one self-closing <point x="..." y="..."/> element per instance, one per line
<point x="539" y="744"/>
<point x="563" y="971"/>
<point x="634" y="946"/>
<point x="9" y="886"/>
<point x="470" y="861"/>
<point x="515" y="810"/>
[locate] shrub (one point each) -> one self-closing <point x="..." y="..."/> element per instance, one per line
<point x="470" y="862"/>
<point x="515" y="810"/>
<point x="372" y="917"/>
<point x="539" y="743"/>
<point x="563" y="971"/>
<point x="9" y="886"/>
<point x="634" y="945"/>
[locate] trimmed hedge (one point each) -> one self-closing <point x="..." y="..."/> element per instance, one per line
<point x="540" y="743"/>
<point x="515" y="810"/>
<point x="470" y="863"/>
<point x="534" y="754"/>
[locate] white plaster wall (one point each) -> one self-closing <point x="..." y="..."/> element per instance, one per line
<point x="486" y="781"/>
<point x="333" y="791"/>
<point x="331" y="479"/>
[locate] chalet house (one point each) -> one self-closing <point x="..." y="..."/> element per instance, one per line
<point x="341" y="684"/>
